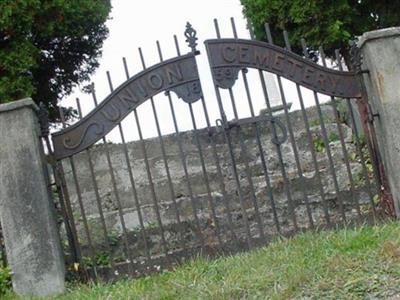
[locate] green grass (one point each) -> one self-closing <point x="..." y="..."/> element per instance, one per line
<point x="362" y="263"/>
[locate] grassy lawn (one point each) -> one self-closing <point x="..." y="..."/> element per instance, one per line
<point x="361" y="263"/>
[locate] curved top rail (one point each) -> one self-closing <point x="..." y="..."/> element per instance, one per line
<point x="228" y="56"/>
<point x="178" y="74"/>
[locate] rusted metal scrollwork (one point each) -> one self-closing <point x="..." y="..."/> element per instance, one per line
<point x="178" y="74"/>
<point x="228" y="56"/>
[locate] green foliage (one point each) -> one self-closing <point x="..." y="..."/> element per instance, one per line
<point x="365" y="158"/>
<point x="352" y="263"/>
<point x="361" y="143"/>
<point x="342" y="110"/>
<point x="319" y="144"/>
<point x="101" y="258"/>
<point x="331" y="24"/>
<point x="5" y="280"/>
<point x="47" y="47"/>
<point x="333" y="137"/>
<point x="359" y="179"/>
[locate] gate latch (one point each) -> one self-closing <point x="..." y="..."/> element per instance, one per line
<point x="275" y="122"/>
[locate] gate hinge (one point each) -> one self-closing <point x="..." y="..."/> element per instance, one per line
<point x="364" y="71"/>
<point x="372" y="114"/>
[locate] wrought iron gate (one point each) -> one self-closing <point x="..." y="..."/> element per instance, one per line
<point x="240" y="182"/>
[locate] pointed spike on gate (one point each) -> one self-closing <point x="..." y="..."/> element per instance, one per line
<point x="92" y="87"/>
<point x="250" y="28"/>
<point x="125" y="67"/>
<point x="322" y="53"/>
<point x="142" y="57"/>
<point x="61" y="112"/>
<point x="78" y="104"/>
<point x="286" y="39"/>
<point x="268" y="32"/>
<point x="178" y="51"/>
<point x="307" y="52"/>
<point x="93" y="92"/>
<point x="159" y="51"/>
<point x="235" y="35"/>
<point x="217" y="28"/>
<point x="338" y="59"/>
<point x="304" y="47"/>
<point x="109" y="80"/>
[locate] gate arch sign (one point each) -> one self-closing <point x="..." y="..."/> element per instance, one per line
<point x="228" y="56"/>
<point x="178" y="75"/>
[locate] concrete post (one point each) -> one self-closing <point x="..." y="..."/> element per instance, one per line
<point x="381" y="52"/>
<point x="27" y="219"/>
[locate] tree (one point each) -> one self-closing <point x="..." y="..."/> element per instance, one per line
<point x="327" y="23"/>
<point x="49" y="46"/>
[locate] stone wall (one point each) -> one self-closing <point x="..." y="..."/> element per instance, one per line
<point x="187" y="234"/>
<point x="380" y="52"/>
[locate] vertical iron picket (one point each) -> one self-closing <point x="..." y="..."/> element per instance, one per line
<point x="231" y="186"/>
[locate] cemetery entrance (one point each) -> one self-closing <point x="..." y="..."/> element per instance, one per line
<point x="256" y="163"/>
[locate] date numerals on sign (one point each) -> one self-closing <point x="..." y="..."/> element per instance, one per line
<point x="225" y="77"/>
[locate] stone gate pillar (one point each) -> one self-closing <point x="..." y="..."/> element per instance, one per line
<point x="381" y="53"/>
<point x="27" y="219"/>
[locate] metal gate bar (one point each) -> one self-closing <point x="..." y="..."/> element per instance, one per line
<point x="310" y="140"/>
<point x="292" y="140"/>
<point x="59" y="182"/>
<point x="322" y="124"/>
<point x="233" y="160"/>
<point x="283" y="171"/>
<point x="355" y="130"/>
<point x="130" y="174"/>
<point x="243" y="149"/>
<point x="324" y="133"/>
<point x="201" y="238"/>
<point x="125" y="150"/>
<point x="259" y="144"/>
<point x="98" y="202"/>
<point x="257" y="130"/>
<point x="183" y="159"/>
<point x="304" y="114"/>
<point x="215" y="156"/>
<point x="117" y="198"/>
<point x="171" y="188"/>
<point x="150" y="179"/>
<point x="200" y="152"/>
<point x="290" y="129"/>
<point x="204" y="228"/>
<point x="341" y="137"/>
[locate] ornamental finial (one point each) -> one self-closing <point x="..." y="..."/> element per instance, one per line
<point x="191" y="37"/>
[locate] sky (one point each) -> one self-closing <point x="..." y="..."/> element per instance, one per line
<point x="135" y="24"/>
